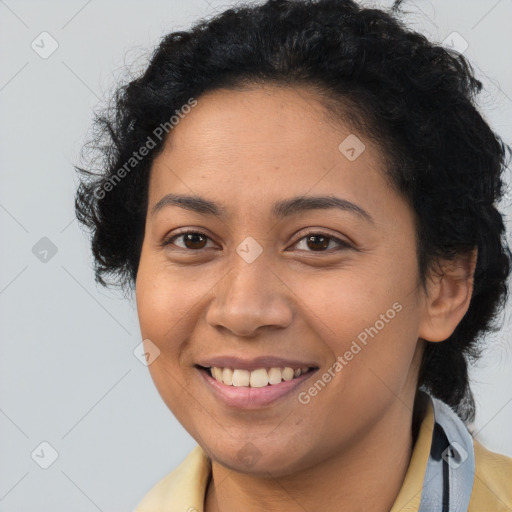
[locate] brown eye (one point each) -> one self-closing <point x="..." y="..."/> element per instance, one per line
<point x="319" y="242"/>
<point x="315" y="242"/>
<point x="192" y="240"/>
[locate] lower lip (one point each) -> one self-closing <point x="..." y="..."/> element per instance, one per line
<point x="245" y="397"/>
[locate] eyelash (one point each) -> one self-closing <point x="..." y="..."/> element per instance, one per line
<point x="342" y="244"/>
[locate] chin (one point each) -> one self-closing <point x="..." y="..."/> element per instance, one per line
<point x="251" y="459"/>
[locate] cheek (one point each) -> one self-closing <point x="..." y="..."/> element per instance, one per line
<point x="370" y="318"/>
<point x="353" y="300"/>
<point x="163" y="320"/>
<point x="165" y="302"/>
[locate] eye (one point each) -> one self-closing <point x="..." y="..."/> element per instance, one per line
<point x="193" y="240"/>
<point x="317" y="242"/>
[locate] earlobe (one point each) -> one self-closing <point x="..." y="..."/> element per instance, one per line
<point x="448" y="296"/>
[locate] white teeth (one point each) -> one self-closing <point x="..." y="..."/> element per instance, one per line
<point x="257" y="378"/>
<point x="241" y="377"/>
<point x="287" y="373"/>
<point x="275" y="376"/>
<point x="226" y="376"/>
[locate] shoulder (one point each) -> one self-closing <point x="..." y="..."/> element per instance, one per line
<point x="492" y="487"/>
<point x="182" y="489"/>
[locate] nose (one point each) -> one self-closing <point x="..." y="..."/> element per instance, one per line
<point x="251" y="297"/>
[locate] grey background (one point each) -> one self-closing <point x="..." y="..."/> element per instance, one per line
<point x="68" y="374"/>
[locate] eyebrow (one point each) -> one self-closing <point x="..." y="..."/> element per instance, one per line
<point x="280" y="209"/>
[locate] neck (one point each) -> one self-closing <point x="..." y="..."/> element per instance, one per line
<point x="370" y="471"/>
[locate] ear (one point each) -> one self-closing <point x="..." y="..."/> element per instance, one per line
<point x="448" y="296"/>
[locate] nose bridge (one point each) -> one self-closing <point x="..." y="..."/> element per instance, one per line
<point x="250" y="295"/>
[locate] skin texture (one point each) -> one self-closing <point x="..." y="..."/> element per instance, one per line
<point x="246" y="149"/>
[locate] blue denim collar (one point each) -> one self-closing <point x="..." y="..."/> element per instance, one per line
<point x="450" y="468"/>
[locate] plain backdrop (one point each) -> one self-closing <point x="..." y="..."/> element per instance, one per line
<point x="74" y="397"/>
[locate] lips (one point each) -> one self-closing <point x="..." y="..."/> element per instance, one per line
<point x="251" y="398"/>
<point x="237" y="382"/>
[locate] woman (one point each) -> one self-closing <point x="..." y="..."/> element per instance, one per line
<point x="302" y="197"/>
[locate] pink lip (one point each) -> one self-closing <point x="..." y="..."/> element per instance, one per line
<point x="252" y="398"/>
<point x="254" y="364"/>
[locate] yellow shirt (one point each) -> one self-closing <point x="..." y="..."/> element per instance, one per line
<point x="183" y="490"/>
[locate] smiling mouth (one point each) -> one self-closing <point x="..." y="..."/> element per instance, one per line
<point x="259" y="378"/>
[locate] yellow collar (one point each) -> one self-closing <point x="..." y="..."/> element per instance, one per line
<point x="409" y="496"/>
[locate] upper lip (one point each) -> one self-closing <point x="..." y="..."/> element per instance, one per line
<point x="255" y="363"/>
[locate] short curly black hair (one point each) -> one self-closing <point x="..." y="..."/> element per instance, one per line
<point x="413" y="98"/>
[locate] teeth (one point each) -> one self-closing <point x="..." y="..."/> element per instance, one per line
<point x="288" y="374"/>
<point x="257" y="378"/>
<point x="217" y="373"/>
<point x="225" y="376"/>
<point x="241" y="377"/>
<point x="275" y="376"/>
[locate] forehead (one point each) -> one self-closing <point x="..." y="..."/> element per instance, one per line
<point x="265" y="116"/>
<point x="267" y="141"/>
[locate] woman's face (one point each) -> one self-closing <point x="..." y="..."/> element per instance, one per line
<point x="271" y="283"/>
